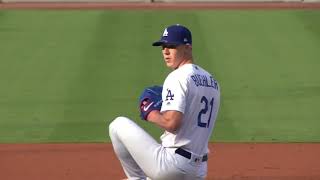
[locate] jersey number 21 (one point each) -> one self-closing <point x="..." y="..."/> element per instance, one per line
<point x="204" y="111"/>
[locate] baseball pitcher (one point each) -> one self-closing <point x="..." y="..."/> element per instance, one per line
<point x="186" y="107"/>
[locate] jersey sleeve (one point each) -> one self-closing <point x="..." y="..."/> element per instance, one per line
<point x="174" y="93"/>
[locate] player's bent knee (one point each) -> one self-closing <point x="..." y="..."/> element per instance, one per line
<point x="118" y="122"/>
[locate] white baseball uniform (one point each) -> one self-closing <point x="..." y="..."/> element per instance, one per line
<point x="192" y="91"/>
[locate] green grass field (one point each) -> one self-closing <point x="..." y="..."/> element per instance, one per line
<point x="64" y="75"/>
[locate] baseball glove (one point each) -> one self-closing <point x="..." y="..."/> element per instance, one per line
<point x="150" y="100"/>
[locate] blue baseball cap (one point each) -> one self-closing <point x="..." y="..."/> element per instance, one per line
<point x="175" y="35"/>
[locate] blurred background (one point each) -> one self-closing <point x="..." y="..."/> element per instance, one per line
<point x="66" y="74"/>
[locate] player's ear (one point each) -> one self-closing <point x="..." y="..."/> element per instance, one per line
<point x="187" y="50"/>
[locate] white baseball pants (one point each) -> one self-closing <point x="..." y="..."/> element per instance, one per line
<point x="141" y="156"/>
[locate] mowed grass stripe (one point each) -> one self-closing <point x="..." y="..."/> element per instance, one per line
<point x="77" y="70"/>
<point x="49" y="50"/>
<point x="129" y="64"/>
<point x="267" y="64"/>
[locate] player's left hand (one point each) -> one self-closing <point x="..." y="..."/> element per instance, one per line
<point x="150" y="100"/>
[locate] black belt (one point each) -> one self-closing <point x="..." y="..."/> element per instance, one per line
<point x="187" y="154"/>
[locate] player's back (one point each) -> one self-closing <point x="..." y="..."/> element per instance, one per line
<point x="201" y="94"/>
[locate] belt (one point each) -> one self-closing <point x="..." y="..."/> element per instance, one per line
<point x="187" y="154"/>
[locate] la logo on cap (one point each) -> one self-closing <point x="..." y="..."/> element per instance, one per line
<point x="165" y="33"/>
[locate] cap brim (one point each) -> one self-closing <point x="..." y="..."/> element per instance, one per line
<point x="160" y="43"/>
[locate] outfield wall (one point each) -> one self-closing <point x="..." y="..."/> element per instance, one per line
<point x="228" y="0"/>
<point x="238" y="1"/>
<point x="25" y="1"/>
<point x="135" y="1"/>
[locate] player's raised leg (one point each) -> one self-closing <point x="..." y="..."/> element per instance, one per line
<point x="119" y="130"/>
<point x="140" y="155"/>
<point x="135" y="148"/>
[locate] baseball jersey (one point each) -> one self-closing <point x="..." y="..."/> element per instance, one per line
<point x="193" y="91"/>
